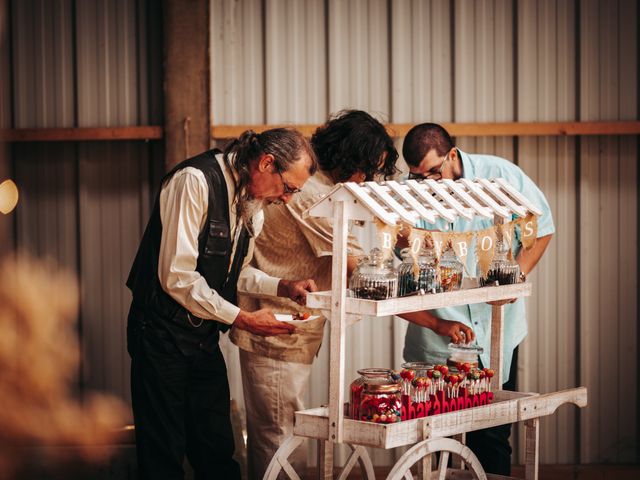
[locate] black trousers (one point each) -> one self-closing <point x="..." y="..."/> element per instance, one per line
<point x="181" y="406"/>
<point x="491" y="445"/>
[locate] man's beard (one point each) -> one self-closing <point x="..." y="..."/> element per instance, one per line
<point x="247" y="208"/>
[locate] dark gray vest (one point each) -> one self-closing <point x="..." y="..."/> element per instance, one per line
<point x="155" y="311"/>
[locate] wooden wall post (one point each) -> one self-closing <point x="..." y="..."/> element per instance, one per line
<point x="186" y="79"/>
<point x="6" y="221"/>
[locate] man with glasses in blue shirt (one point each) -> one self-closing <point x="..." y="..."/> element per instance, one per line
<point x="430" y="154"/>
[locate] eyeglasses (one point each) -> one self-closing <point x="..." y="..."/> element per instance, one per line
<point x="434" y="173"/>
<point x="288" y="190"/>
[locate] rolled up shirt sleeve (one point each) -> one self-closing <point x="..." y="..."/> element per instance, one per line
<point x="183" y="210"/>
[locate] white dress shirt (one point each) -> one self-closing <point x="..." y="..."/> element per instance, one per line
<point x="184" y="202"/>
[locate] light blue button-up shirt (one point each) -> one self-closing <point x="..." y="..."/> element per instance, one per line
<point x="422" y="344"/>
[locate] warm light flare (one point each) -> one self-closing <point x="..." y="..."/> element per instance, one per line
<point x="8" y="196"/>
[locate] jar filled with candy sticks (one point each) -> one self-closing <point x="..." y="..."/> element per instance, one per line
<point x="410" y="372"/>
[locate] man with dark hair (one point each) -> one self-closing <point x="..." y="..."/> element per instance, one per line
<point x="430" y="153"/>
<point x="192" y="259"/>
<point x="351" y="147"/>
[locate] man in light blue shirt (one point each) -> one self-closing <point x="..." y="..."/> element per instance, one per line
<point x="430" y="153"/>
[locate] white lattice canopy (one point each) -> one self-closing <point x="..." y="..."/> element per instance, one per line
<point x="430" y="200"/>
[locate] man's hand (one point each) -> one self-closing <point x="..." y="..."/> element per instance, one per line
<point x="262" y="322"/>
<point x="458" y="332"/>
<point x="297" y="290"/>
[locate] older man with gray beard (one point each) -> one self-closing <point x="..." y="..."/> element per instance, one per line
<point x="192" y="260"/>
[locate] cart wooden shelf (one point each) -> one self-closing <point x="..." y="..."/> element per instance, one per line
<point x="392" y="202"/>
<point x="508" y="407"/>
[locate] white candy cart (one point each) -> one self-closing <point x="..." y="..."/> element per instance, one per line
<point x="393" y="202"/>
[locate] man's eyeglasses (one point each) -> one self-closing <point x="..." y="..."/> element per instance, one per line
<point x="434" y="173"/>
<point x="288" y="189"/>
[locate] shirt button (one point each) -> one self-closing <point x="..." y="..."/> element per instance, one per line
<point x="475" y="323"/>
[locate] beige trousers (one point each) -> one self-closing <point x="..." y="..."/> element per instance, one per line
<point x="273" y="390"/>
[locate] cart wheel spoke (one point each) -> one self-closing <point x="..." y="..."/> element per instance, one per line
<point x="359" y="454"/>
<point x="446" y="446"/>
<point x="280" y="461"/>
<point x="286" y="466"/>
<point x="442" y="467"/>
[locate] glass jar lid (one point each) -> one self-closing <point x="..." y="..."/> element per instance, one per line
<point x="465" y="348"/>
<point x="375" y="372"/>
<point x="382" y="387"/>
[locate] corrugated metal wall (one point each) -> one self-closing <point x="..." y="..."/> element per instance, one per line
<point x="90" y="63"/>
<point x="410" y="61"/>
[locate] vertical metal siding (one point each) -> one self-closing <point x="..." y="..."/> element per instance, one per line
<point x="107" y="74"/>
<point x="546" y="93"/>
<point x="43" y="63"/>
<point x="237" y="67"/>
<point x="505" y="61"/>
<point x="295" y="64"/>
<point x="85" y="204"/>
<point x="110" y="200"/>
<point x="421" y="60"/>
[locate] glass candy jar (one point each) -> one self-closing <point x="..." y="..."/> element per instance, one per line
<point x="502" y="269"/>
<point x="381" y="403"/>
<point x="419" y="275"/>
<point x="374" y="278"/>
<point x="464" y="356"/>
<point x="367" y="375"/>
<point x="450" y="271"/>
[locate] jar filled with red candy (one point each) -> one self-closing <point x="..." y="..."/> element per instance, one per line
<point x="367" y="375"/>
<point x="381" y="403"/>
<point x="464" y="356"/>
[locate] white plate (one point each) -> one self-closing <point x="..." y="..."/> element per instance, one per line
<point x="289" y="319"/>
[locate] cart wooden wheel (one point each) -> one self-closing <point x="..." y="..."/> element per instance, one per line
<point x="445" y="446"/>
<point x="280" y="461"/>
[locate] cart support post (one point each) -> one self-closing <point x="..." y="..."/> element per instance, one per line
<point x="497" y="340"/>
<point x="338" y="325"/>
<point x="532" y="437"/>
<point x="325" y="460"/>
<point x="427" y="459"/>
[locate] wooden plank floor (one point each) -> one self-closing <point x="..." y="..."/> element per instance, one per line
<point x="547" y="472"/>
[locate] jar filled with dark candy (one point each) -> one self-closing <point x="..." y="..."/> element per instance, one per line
<point x="450" y="271"/>
<point x="503" y="270"/>
<point x="367" y="375"/>
<point x="375" y="278"/>
<point x="418" y="274"/>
